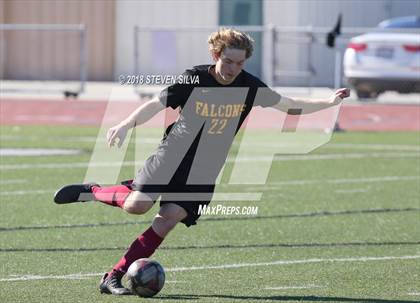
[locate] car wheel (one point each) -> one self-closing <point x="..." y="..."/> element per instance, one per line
<point x="363" y="94"/>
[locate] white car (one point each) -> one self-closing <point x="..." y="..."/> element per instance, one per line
<point x="387" y="59"/>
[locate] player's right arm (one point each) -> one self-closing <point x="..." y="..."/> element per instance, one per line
<point x="142" y="114"/>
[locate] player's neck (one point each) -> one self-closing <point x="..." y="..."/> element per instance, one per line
<point x="219" y="78"/>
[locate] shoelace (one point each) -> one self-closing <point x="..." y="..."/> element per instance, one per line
<point x="115" y="282"/>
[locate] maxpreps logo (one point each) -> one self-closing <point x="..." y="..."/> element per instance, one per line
<point x="248" y="165"/>
<point x="222" y="210"/>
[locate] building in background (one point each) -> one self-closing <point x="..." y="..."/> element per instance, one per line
<point x="55" y="55"/>
<point x="167" y="41"/>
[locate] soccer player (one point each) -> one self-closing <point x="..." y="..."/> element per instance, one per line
<point x="183" y="169"/>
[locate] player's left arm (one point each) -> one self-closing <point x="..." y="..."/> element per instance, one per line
<point x="307" y="106"/>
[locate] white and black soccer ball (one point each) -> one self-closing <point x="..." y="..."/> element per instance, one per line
<point x="145" y="277"/>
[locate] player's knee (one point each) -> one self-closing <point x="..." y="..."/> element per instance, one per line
<point x="136" y="208"/>
<point x="137" y="203"/>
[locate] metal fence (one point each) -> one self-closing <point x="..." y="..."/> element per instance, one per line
<point x="285" y="52"/>
<point x="16" y="47"/>
<point x="290" y="56"/>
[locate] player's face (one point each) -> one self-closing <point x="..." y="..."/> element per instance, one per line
<point x="229" y="64"/>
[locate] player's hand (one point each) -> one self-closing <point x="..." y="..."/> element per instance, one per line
<point x="339" y="95"/>
<point x="116" y="135"/>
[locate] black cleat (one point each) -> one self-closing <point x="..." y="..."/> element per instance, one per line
<point x="111" y="284"/>
<point x="74" y="193"/>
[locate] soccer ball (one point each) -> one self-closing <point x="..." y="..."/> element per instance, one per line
<point x="145" y="277"/>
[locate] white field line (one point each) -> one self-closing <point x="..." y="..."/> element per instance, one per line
<point x="379" y="147"/>
<point x="145" y="140"/>
<point x="223" y="266"/>
<point x="351" y="191"/>
<point x="39" y="152"/>
<point x="175" y="197"/>
<point x="293" y="287"/>
<point x="382" y="147"/>
<point x="13" y="181"/>
<point x="310" y="157"/>
<point x="151" y="140"/>
<point x="414" y="293"/>
<point x="271" y="185"/>
<point x="344" y="181"/>
<point x="256" y="159"/>
<point x="67" y="165"/>
<point x="289" y="262"/>
<point x="26" y="192"/>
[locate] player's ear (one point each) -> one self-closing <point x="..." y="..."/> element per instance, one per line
<point x="215" y="56"/>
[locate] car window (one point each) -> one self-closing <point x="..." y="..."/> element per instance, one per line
<point x="403" y="22"/>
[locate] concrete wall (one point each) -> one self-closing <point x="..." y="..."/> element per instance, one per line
<point x="163" y="52"/>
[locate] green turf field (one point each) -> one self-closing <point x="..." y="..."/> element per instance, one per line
<point x="341" y="224"/>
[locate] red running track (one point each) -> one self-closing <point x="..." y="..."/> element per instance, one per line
<point x="360" y="117"/>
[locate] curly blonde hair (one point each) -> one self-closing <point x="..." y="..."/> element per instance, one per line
<point x="230" y="38"/>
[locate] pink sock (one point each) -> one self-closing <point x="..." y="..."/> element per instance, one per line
<point x="112" y="195"/>
<point x="143" y="247"/>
